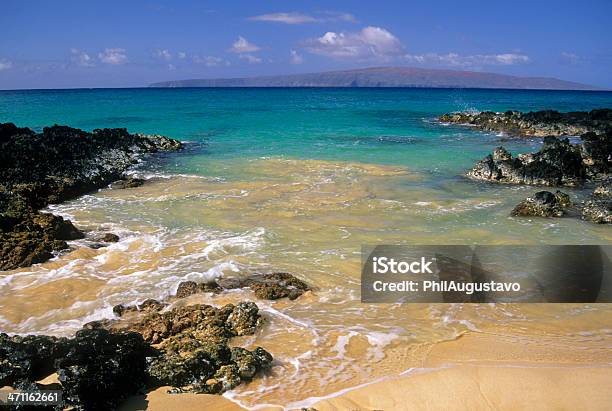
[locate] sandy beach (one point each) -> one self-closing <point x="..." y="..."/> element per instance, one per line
<point x="476" y="371"/>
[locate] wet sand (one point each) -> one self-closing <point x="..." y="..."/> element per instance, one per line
<point x="476" y="371"/>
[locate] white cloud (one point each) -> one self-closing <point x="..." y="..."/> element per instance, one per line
<point x="113" y="56"/>
<point x="509" y="58"/>
<point x="476" y="60"/>
<point x="250" y="58"/>
<point x="80" y="58"/>
<point x="5" y="64"/>
<point x="242" y="45"/>
<point x="570" y="58"/>
<point x="181" y="55"/>
<point x="163" y="54"/>
<point x="335" y="16"/>
<point x="371" y="43"/>
<point x="301" y="18"/>
<point x="295" y="57"/>
<point x="209" y="61"/>
<point x="287" y="18"/>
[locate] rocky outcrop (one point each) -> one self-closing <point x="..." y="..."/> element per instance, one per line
<point x="58" y="164"/>
<point x="558" y="163"/>
<point x="186" y="348"/>
<point x="96" y="369"/>
<point x="543" y="204"/>
<point x="193" y="347"/>
<point x="102" y="368"/>
<point x="536" y="123"/>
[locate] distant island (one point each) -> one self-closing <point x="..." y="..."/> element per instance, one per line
<point x="388" y="77"/>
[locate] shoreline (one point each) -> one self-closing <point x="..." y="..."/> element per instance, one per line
<point x="475" y="371"/>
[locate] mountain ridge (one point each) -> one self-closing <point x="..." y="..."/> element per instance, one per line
<point x="388" y="77"/>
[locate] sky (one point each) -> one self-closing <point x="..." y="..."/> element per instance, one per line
<point x="132" y="43"/>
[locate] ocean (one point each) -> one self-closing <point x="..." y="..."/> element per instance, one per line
<point x="296" y="180"/>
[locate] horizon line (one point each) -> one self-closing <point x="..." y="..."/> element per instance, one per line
<point x="148" y="87"/>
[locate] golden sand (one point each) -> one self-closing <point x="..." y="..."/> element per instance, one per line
<point x="475" y="372"/>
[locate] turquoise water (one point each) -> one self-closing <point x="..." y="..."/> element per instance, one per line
<point x="297" y="180"/>
<point x="384" y="126"/>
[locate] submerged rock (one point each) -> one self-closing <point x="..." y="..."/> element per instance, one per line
<point x="596" y="209"/>
<point x="130" y="182"/>
<point x="56" y="165"/>
<point x="265" y="286"/>
<point x="538" y="123"/>
<point x="269" y="286"/>
<point x="250" y="362"/>
<point x="543" y="204"/>
<point x="108" y="238"/>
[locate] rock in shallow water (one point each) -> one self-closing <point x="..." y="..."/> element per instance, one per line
<point x="187" y="288"/>
<point x="276" y="285"/>
<point x="265" y="286"/>
<point x="598" y="212"/>
<point x="108" y="238"/>
<point x="557" y="163"/>
<point x="130" y="182"/>
<point x="31" y="237"/>
<point x="148" y="305"/>
<point x="536" y="123"/>
<point x="598" y="209"/>
<point x="542" y="204"/>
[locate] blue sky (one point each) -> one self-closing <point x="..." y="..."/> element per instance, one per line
<point x="57" y="44"/>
